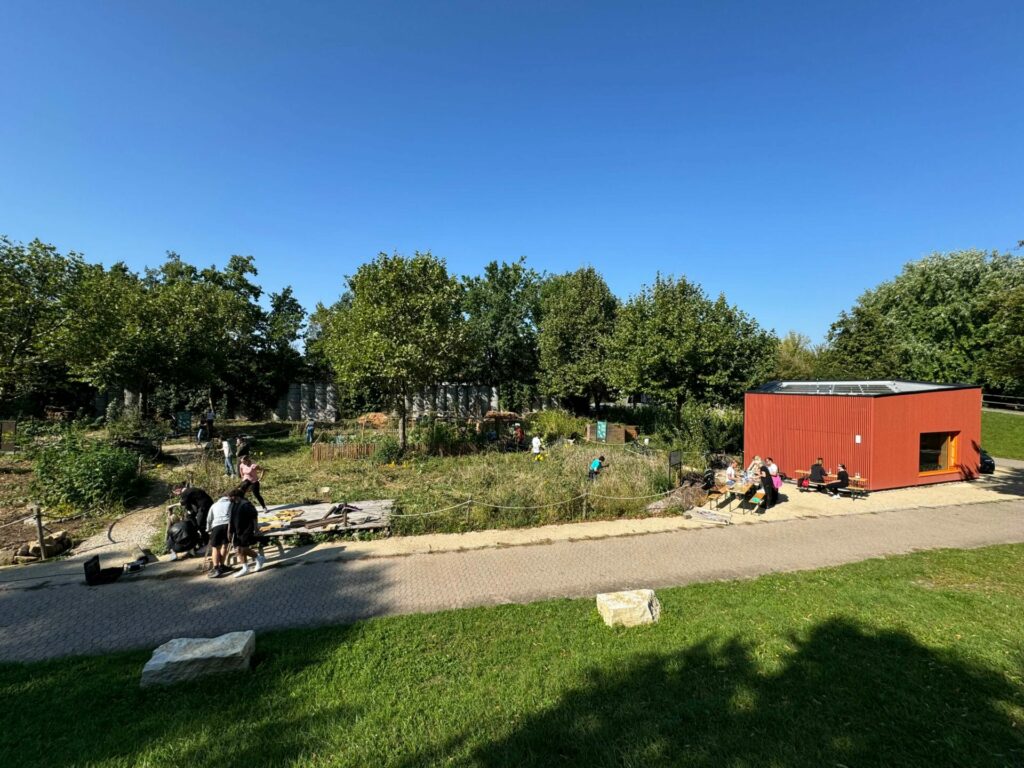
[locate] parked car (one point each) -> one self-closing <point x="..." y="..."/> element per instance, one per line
<point x="988" y="464"/>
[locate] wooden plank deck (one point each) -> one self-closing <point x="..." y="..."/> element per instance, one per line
<point x="296" y="519"/>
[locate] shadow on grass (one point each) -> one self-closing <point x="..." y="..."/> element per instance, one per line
<point x="227" y="720"/>
<point x="846" y="696"/>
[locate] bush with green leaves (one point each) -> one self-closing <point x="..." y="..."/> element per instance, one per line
<point x="442" y="438"/>
<point x="708" y="429"/>
<point x="553" y="424"/>
<point x="84" y="474"/>
<point x="388" y="450"/>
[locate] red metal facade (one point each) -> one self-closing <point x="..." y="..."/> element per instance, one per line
<point x="899" y="422"/>
<point x="878" y="437"/>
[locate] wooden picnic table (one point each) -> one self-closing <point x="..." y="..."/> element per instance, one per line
<point x="855" y="480"/>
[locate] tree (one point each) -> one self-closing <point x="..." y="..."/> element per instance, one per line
<point x="1003" y="364"/>
<point x="797" y="358"/>
<point x="501" y="309"/>
<point x="933" y="322"/>
<point x="401" y="330"/>
<point x="137" y="333"/>
<point x="36" y="283"/>
<point x="673" y="343"/>
<point x="577" y="317"/>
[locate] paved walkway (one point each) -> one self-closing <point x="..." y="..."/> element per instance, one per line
<point x="59" y="615"/>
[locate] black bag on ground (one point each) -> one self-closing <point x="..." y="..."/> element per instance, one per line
<point x="183" y="536"/>
<point x="94" y="575"/>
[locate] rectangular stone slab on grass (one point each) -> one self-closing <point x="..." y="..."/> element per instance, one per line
<point x="188" y="658"/>
<point x="630" y="608"/>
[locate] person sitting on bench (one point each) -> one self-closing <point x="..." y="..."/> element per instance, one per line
<point x="844" y="481"/>
<point x="818" y="472"/>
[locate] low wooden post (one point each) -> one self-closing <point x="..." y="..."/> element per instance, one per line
<point x="37" y="512"/>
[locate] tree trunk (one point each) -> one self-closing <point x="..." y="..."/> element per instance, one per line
<point x="401" y="422"/>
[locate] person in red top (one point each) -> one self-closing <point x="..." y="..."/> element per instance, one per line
<point x="251" y="474"/>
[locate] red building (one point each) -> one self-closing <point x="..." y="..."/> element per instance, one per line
<point x="892" y="433"/>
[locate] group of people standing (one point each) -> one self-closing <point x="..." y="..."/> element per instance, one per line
<point x="230" y="521"/>
<point x="768" y="477"/>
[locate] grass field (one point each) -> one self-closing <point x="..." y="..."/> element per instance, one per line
<point x="911" y="661"/>
<point x="424" y="484"/>
<point x="1002" y="434"/>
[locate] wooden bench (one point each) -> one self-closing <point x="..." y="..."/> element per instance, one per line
<point x="853" y="491"/>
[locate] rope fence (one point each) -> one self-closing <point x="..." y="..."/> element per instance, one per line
<point x="585" y="495"/>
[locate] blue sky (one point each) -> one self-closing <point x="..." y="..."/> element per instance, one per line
<point x="790" y="155"/>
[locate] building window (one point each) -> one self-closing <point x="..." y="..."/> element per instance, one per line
<point x="938" y="452"/>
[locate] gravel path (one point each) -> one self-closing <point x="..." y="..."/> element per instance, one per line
<point x="59" y="615"/>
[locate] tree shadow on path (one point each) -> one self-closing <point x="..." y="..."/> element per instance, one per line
<point x="846" y="696"/>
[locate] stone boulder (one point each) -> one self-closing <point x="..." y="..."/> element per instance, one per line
<point x="188" y="658"/>
<point x="630" y="608"/>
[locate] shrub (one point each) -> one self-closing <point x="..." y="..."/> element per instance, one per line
<point x="388" y="450"/>
<point x="708" y="429"/>
<point x="441" y="438"/>
<point x="649" y="418"/>
<point x="85" y="474"/>
<point x="553" y="424"/>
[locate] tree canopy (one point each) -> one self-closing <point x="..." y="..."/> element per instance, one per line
<point x="675" y="344"/>
<point x="501" y="308"/>
<point x="939" y="320"/>
<point x="399" y="330"/>
<point x="577" y="318"/>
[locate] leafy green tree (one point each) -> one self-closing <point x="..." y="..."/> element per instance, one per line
<point x="1003" y="364"/>
<point x="36" y="285"/>
<point x="501" y="309"/>
<point x="401" y="329"/>
<point x="797" y="358"/>
<point x="933" y="322"/>
<point x="137" y="333"/>
<point x="577" y="317"/>
<point x="673" y="343"/>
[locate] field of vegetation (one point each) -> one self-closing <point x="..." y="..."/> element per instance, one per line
<point x="910" y="661"/>
<point x="508" y="489"/>
<point x="1002" y="434"/>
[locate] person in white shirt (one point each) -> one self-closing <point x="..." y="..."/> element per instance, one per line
<point x="730" y="474"/>
<point x="217" y="525"/>
<point x="229" y="457"/>
<point x="535" y="447"/>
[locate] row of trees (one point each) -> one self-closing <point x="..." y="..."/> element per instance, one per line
<point x="406" y="323"/>
<point x="181" y="336"/>
<point x="953" y="317"/>
<point x="172" y="336"/>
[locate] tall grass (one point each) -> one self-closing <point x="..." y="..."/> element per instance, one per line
<point x="421" y="485"/>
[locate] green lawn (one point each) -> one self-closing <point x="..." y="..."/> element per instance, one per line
<point x="1002" y="434"/>
<point x="911" y="661"/>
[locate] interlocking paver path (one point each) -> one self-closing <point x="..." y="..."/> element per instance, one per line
<point x="60" y="615"/>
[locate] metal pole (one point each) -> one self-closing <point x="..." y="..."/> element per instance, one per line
<point x="38" y="513"/>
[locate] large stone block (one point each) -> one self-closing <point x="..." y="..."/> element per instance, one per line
<point x="187" y="658"/>
<point x="629" y="608"/>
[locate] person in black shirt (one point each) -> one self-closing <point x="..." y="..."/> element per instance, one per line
<point x="818" y="471"/>
<point x="196" y="502"/>
<point x="245" y="530"/>
<point x="844" y="481"/>
<point x="767" y="486"/>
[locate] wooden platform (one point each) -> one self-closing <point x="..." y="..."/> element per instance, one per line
<point x="296" y="519"/>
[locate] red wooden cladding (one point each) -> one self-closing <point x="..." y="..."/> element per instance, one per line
<point x="796" y="429"/>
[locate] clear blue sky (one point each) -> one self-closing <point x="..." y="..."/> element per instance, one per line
<point x="788" y="154"/>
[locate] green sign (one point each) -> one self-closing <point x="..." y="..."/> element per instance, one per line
<point x="602" y="430"/>
<point x="183" y="421"/>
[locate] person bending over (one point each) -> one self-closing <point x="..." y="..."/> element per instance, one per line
<point x="595" y="467"/>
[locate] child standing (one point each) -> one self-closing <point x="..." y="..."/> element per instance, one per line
<point x="251" y="474"/>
